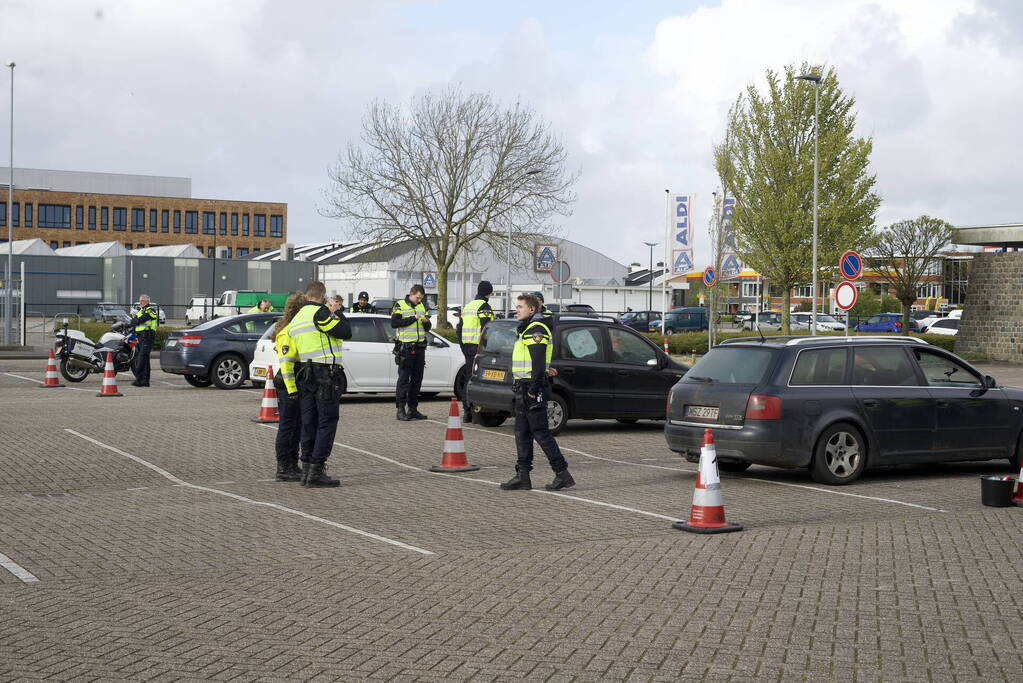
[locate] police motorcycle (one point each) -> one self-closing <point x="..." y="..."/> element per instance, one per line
<point x="80" y="356"/>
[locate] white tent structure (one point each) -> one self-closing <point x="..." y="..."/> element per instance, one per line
<point x="32" y="247"/>
<point x="94" y="249"/>
<point x="171" y="250"/>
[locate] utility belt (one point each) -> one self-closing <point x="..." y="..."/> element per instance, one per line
<point x="329" y="379"/>
<point x="536" y="402"/>
<point x="405" y="353"/>
<point x="146" y="333"/>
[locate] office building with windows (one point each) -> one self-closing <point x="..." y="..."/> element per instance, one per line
<point x="68" y="208"/>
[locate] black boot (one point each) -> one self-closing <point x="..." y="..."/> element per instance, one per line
<point x="562" y="480"/>
<point x="305" y="472"/>
<point x="402" y="415"/>
<point x="287" y="471"/>
<point x="519" y="482"/>
<point x="467" y="416"/>
<point x="414" y="414"/>
<point x="317" y="477"/>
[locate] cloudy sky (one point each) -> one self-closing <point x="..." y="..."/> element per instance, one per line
<point x="253" y="99"/>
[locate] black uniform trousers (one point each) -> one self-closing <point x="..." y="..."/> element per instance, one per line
<point x="410" y="375"/>
<point x="469" y="352"/>
<point x="531" y="424"/>
<point x="319" y="417"/>
<point x="289" y="428"/>
<point x="142" y="351"/>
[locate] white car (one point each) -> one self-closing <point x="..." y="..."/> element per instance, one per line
<point x="801" y="321"/>
<point x="369" y="361"/>
<point x="199" y="310"/>
<point x="946" y="326"/>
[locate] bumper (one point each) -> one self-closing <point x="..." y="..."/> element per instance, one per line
<point x="758" y="442"/>
<point x="491" y="397"/>
<point x="176" y="362"/>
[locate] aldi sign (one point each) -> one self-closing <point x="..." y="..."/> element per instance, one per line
<point x="544" y="257"/>
<point x="429" y="280"/>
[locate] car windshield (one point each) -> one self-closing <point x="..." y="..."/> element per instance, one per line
<point x="731" y="365"/>
<point x="498" y="338"/>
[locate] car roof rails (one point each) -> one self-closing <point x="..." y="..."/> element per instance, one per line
<point x="795" y="340"/>
<point x="585" y="315"/>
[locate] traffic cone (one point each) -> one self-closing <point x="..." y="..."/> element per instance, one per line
<point x="268" y="407"/>
<point x="51" y="374"/>
<point x="707" y="516"/>
<point x="1017" y="499"/>
<point x="109" y="386"/>
<point x="453" y="459"/>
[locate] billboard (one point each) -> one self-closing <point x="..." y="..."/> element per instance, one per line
<point x="682" y="239"/>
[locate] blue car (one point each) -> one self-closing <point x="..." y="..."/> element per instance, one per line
<point x="886" y="322"/>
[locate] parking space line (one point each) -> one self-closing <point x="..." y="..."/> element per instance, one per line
<point x="29" y="379"/>
<point x="16" y="569"/>
<point x="732" y="476"/>
<point x="179" y="482"/>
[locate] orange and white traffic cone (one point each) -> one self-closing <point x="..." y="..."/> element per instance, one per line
<point x="1017" y="498"/>
<point x="453" y="459"/>
<point x="707" y="516"/>
<point x="666" y="347"/>
<point x="109" y="386"/>
<point x="268" y="407"/>
<point x="52" y="380"/>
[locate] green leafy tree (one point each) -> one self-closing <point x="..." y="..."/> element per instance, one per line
<point x="766" y="163"/>
<point x="903" y="253"/>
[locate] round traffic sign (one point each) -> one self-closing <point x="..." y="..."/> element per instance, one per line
<point x="560" y="272"/>
<point x="850" y="265"/>
<point x="846" y="295"/>
<point x="710" y="276"/>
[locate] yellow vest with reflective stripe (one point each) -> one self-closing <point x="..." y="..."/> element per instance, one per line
<point x="472" y="321"/>
<point x="414" y="332"/>
<point x="287" y="356"/>
<point x="309" y="341"/>
<point x="535" y="333"/>
<point x="149" y="324"/>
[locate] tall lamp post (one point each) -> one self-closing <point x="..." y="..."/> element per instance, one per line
<point x="8" y="289"/>
<point x="507" y="297"/>
<point x="816" y="80"/>
<point x="650" y="296"/>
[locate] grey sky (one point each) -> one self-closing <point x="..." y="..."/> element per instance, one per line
<point x="253" y="100"/>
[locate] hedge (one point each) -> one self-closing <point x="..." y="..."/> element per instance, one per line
<point x="696" y="342"/>
<point x="96" y="330"/>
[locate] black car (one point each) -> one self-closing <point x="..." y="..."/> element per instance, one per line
<point x="605" y="370"/>
<point x="217" y="352"/>
<point x="838" y="405"/>
<point x="639" y="320"/>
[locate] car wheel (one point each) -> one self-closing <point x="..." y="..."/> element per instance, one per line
<point x="627" y="420"/>
<point x="840" y="455"/>
<point x="459" y="384"/>
<point x="1016" y="461"/>
<point x="733" y="465"/>
<point x="197" y="381"/>
<point x="228" y="372"/>
<point x="557" y="413"/>
<point x="489" y="419"/>
<point x="71" y="373"/>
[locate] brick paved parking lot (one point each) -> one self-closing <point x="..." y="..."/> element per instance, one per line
<point x="143" y="538"/>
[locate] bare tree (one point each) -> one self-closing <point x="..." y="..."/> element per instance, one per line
<point x="451" y="171"/>
<point x="902" y="253"/>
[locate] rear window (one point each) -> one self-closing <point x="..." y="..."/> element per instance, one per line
<point x="498" y="338"/>
<point x="731" y="365"/>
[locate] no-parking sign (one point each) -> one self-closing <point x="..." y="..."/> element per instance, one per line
<point x="710" y="276"/>
<point x="851" y="265"/>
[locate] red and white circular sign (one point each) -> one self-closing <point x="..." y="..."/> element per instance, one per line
<point x="846" y="295"/>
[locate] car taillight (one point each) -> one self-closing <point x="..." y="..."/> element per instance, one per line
<point x="761" y="407"/>
<point x="898" y="324"/>
<point x="190" y="340"/>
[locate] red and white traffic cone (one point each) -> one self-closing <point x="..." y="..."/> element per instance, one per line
<point x="109" y="386"/>
<point x="268" y="407"/>
<point x="453" y="459"/>
<point x="707" y="516"/>
<point x="666" y="347"/>
<point x="1017" y="498"/>
<point x="52" y="380"/>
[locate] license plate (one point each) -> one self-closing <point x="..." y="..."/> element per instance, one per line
<point x="172" y="342"/>
<point x="493" y="374"/>
<point x="260" y="372"/>
<point x="702" y="412"/>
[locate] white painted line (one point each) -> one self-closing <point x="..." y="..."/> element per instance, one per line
<point x="138" y="488"/>
<point x="170" y="384"/>
<point x="178" y="482"/>
<point x="29" y="379"/>
<point x="16" y="569"/>
<point x="742" y="477"/>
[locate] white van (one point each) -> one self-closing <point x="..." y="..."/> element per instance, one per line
<point x="200" y="309"/>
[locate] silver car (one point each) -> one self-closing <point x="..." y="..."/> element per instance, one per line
<point x="768" y="321"/>
<point x="801" y="321"/>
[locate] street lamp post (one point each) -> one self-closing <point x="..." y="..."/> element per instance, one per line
<point x="816" y="80"/>
<point x="507" y="297"/>
<point x="650" y="296"/>
<point x="8" y="289"/>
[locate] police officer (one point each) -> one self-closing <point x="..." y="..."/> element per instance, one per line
<point x="363" y="305"/>
<point x="264" y="306"/>
<point x="144" y="320"/>
<point x="317" y="336"/>
<point x="543" y="307"/>
<point x="473" y="317"/>
<point x="289" y="428"/>
<point x="411" y="323"/>
<point x="531" y="366"/>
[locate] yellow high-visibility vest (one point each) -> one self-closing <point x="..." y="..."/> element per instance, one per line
<point x="535" y="333"/>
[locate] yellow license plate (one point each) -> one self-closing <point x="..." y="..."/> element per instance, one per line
<point x="493" y="374"/>
<point x="260" y="372"/>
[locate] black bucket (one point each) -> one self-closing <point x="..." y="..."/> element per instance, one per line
<point x="996" y="490"/>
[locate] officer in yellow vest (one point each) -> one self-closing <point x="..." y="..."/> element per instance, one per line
<point x="531" y="366"/>
<point x="473" y="317"/>
<point x="289" y="428"/>
<point x="411" y="322"/>
<point x="317" y="336"/>
<point x="143" y="323"/>
<point x="264" y="306"/>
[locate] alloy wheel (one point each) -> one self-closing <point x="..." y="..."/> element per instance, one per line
<point x="842" y="454"/>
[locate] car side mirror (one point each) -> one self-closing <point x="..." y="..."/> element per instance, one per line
<point x="989" y="382"/>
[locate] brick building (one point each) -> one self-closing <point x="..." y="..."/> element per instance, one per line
<point x="67" y="208"/>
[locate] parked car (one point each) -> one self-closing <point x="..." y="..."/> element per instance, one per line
<point x="768" y="321"/>
<point x="109" y="312"/>
<point x="801" y="321"/>
<point x="570" y="308"/>
<point x="838" y="405"/>
<point x="605" y="370"/>
<point x="886" y="322"/>
<point x="383" y="305"/>
<point x="369" y="362"/>
<point x="218" y="351"/>
<point x="946" y="326"/>
<point x="639" y="320"/>
<point x="454" y="312"/>
<point x="741" y="318"/>
<point x="686" y="319"/>
<point x="200" y="309"/>
<point x="920" y="315"/>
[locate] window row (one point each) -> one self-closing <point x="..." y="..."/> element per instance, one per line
<point x="159" y="220"/>
<point x="227" y="251"/>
